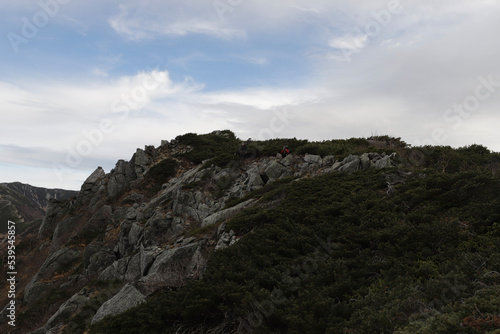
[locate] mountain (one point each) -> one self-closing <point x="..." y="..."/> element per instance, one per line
<point x="200" y="235"/>
<point x="25" y="203"/>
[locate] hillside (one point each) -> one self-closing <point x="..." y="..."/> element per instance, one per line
<point x="341" y="236"/>
<point x="25" y="203"/>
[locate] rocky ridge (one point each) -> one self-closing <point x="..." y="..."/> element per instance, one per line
<point x="119" y="234"/>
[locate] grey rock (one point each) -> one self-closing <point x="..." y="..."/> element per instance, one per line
<point x="74" y="280"/>
<point x="142" y="162"/>
<point x="189" y="240"/>
<point x="350" y="164"/>
<point x="288" y="160"/>
<point x="92" y="179"/>
<point x="365" y="161"/>
<point x="221" y="229"/>
<point x="328" y="160"/>
<point x="147" y="258"/>
<point x="254" y="182"/>
<point x="276" y="170"/>
<point x="63" y="231"/>
<point x="121" y="167"/>
<point x="132" y="199"/>
<point x="384" y="162"/>
<point x="91" y="249"/>
<point x="134" y="234"/>
<point x="351" y="158"/>
<point x="132" y="213"/>
<point x="312" y="159"/>
<point x="54" y="213"/>
<point x="99" y="220"/>
<point x="97" y="261"/>
<point x="173" y="267"/>
<point x="123" y="245"/>
<point x="117" y="183"/>
<point x="127" y="298"/>
<point x="337" y="165"/>
<point x="227" y="213"/>
<point x="116" y="271"/>
<point x="225" y="240"/>
<point x="133" y="272"/>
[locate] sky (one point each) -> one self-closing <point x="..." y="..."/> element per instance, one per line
<point x="85" y="83"/>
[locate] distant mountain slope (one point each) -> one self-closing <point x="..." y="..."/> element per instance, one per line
<point x="24" y="203"/>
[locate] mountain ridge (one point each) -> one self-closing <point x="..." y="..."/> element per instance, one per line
<point x="174" y="222"/>
<point x="23" y="203"/>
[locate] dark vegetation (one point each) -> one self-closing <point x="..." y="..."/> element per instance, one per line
<point x="221" y="147"/>
<point x="336" y="254"/>
<point x="160" y="173"/>
<point x="217" y="147"/>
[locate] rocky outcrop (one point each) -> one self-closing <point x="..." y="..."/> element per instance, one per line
<point x="227" y="213"/>
<point x="92" y="180"/>
<point x="173" y="267"/>
<point x="120" y="178"/>
<point x="97" y="257"/>
<point x="54" y="214"/>
<point x="353" y="163"/>
<point x="127" y="298"/>
<point x="225" y="239"/>
<point x="276" y="170"/>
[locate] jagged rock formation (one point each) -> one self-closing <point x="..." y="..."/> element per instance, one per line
<point x="117" y="229"/>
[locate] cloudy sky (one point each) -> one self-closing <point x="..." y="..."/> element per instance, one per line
<point x="85" y="83"/>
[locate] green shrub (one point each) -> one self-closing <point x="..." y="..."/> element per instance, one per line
<point x="220" y="146"/>
<point x="161" y="173"/>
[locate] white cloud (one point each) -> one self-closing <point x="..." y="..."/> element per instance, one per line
<point x="139" y="23"/>
<point x="399" y="81"/>
<point x="263" y="98"/>
<point x="349" y="42"/>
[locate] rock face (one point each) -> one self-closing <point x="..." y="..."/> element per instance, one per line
<point x="92" y="180"/>
<point x="128" y="297"/>
<point x="227" y="213"/>
<point x="173" y="267"/>
<point x="117" y="230"/>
